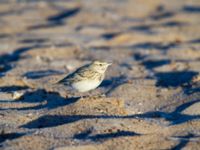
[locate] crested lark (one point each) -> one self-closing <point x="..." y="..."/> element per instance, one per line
<point x="87" y="77"/>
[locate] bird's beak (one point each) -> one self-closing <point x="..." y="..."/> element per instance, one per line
<point x="109" y="64"/>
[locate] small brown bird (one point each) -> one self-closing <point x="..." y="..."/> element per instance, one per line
<point x="87" y="77"/>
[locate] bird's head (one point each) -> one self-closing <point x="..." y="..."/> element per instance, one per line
<point x="100" y="66"/>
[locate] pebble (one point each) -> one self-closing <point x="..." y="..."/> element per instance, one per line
<point x="16" y="95"/>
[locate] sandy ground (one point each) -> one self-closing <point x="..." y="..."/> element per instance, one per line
<point x="152" y="90"/>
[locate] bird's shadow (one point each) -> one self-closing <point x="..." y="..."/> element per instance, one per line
<point x="113" y="83"/>
<point x="43" y="99"/>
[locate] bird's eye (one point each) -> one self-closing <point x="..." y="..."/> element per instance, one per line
<point x="100" y="65"/>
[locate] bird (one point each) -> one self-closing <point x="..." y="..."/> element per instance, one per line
<point x="87" y="77"/>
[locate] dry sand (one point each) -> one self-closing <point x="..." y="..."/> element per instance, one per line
<point x="152" y="90"/>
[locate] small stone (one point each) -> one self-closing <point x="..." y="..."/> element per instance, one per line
<point x="29" y="114"/>
<point x="69" y="67"/>
<point x="16" y="95"/>
<point x="140" y="104"/>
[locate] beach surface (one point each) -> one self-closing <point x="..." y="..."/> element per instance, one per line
<point x="149" y="100"/>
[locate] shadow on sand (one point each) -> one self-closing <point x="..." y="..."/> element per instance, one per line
<point x="44" y="99"/>
<point x="174" y="78"/>
<point x="176" y="117"/>
<point x="9" y="136"/>
<point x="58" y="19"/>
<point x="41" y="73"/>
<point x="7" y="60"/>
<point x="86" y="135"/>
<point x="184" y="140"/>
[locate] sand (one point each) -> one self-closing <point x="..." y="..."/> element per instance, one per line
<point x="150" y="98"/>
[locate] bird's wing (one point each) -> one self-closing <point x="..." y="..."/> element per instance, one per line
<point x="77" y="75"/>
<point x="66" y="79"/>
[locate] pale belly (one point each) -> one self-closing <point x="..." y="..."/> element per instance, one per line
<point x="84" y="86"/>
